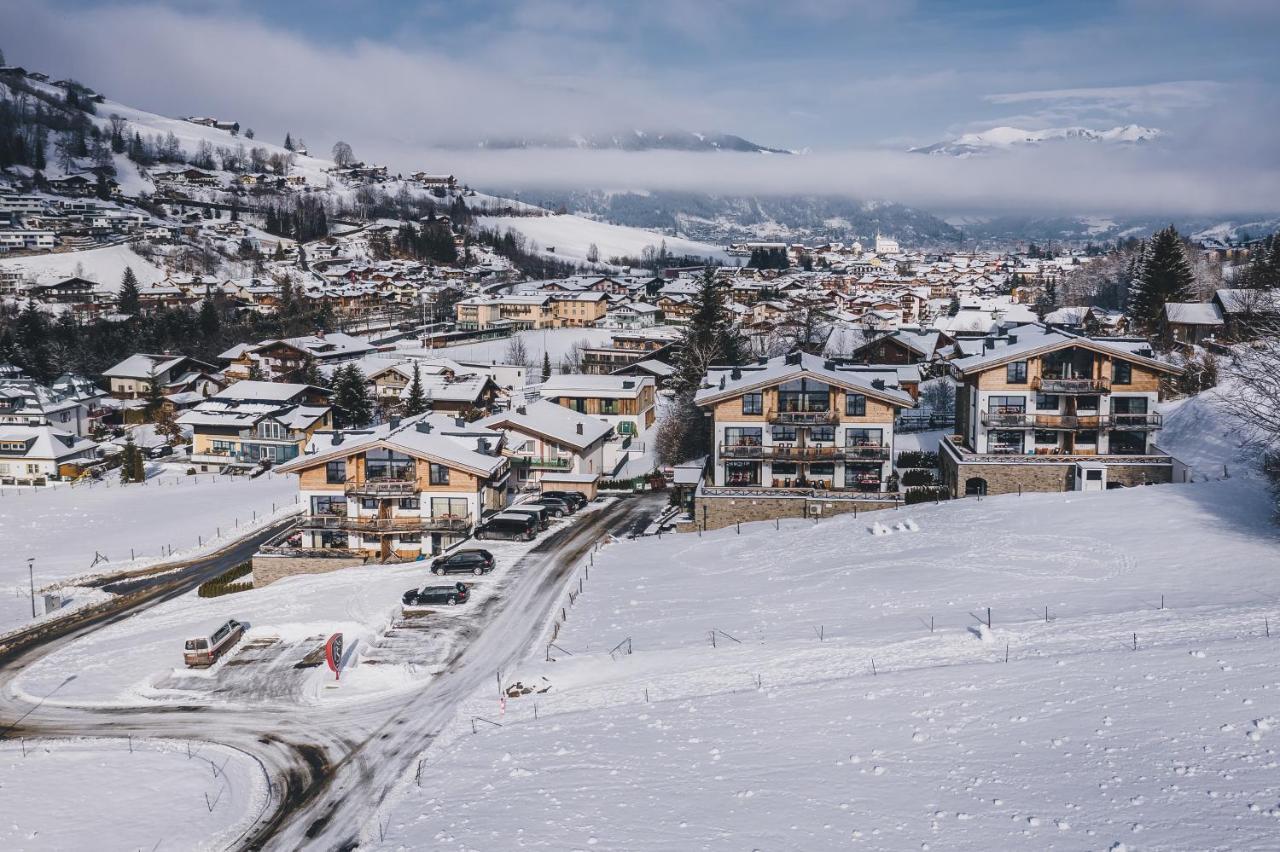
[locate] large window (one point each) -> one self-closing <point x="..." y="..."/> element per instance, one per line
<point x="449" y="507"/>
<point x="385" y="464"/>
<point x="1121" y="373"/>
<point x="1005" y="443"/>
<point x="1128" y="405"/>
<point x="1046" y="437"/>
<point x="271" y="430"/>
<point x="862" y="477"/>
<point x="743" y="436"/>
<point x="784" y="433"/>
<point x="335" y="472"/>
<point x="439" y="474"/>
<point x="863" y="437"/>
<point x="804" y="395"/>
<point x="822" y="434"/>
<point x="741" y="473"/>
<point x="409" y="503"/>
<point x="329" y="505"/>
<point x="1087" y="403"/>
<point x="855" y="405"/>
<point x="1007" y="404"/>
<point x="753" y="403"/>
<point x="1128" y="443"/>
<point x="1047" y="402"/>
<point x="1016" y="373"/>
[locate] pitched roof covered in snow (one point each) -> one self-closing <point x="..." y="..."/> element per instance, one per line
<point x="1034" y="339"/>
<point x="548" y="420"/>
<point x="877" y="382"/>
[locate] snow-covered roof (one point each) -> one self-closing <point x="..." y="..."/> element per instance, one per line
<point x="877" y="382"/>
<point x="579" y="385"/>
<point x="1193" y="313"/>
<point x="549" y="420"/>
<point x="434" y="437"/>
<point x="44" y="442"/>
<point x="1036" y="339"/>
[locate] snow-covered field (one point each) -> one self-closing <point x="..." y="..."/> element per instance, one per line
<point x="853" y="698"/>
<point x="556" y="342"/>
<point x="66" y="527"/>
<point x="106" y="266"/>
<point x="571" y="236"/>
<point x="57" y="794"/>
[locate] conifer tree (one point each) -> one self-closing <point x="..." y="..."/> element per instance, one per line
<point x="546" y="365"/>
<point x="416" y="402"/>
<point x="1165" y="277"/>
<point x="128" y="300"/>
<point x="351" y="396"/>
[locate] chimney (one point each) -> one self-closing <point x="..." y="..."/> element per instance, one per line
<point x="482" y="446"/>
<point x="736" y="374"/>
<point x="828" y="365"/>
<point x="521" y="410"/>
<point x="878" y="384"/>
<point x="459" y="422"/>
<point x="424" y="426"/>
<point x="579" y="428"/>
<point x="722" y="381"/>
<point x="395" y="422"/>
<point x="337" y="438"/>
<point x="628" y="385"/>
<point x="1013" y="338"/>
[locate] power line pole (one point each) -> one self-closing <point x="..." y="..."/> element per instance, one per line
<point x="31" y="576"/>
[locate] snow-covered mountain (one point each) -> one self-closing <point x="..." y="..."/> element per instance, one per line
<point x="637" y="140"/>
<point x="1005" y="138"/>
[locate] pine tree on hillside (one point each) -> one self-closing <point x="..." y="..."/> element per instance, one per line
<point x="1165" y="276"/>
<point x="546" y="366"/>
<point x="128" y="300"/>
<point x="288" y="142"/>
<point x="155" y="397"/>
<point x="416" y="402"/>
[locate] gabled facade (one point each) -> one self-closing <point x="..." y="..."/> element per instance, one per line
<point x="253" y="422"/>
<point x="545" y="438"/>
<point x="799" y="422"/>
<point x="1035" y="403"/>
<point x="406" y="488"/>
<point x="627" y="403"/>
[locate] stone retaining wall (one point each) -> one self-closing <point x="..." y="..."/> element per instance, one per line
<point x="1042" y="476"/>
<point x="268" y="568"/>
<point x="721" y="511"/>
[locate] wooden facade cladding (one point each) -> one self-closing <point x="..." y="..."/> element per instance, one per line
<point x="315" y="477"/>
<point x="1143" y="379"/>
<point x="595" y="405"/>
<point x="731" y="409"/>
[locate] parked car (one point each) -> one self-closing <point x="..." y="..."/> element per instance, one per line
<point x="428" y="595"/>
<point x="556" y="507"/>
<point x="203" y="651"/>
<point x="576" y="497"/>
<point x="509" y="526"/>
<point x="464" y="562"/>
<point x="160" y="451"/>
<point x="533" y="510"/>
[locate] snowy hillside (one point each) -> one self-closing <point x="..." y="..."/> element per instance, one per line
<point x="1005" y="138"/>
<point x="103" y="265"/>
<point x="568" y="237"/>
<point x="852" y="698"/>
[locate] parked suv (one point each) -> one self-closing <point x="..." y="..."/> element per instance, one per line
<point x="533" y="510"/>
<point x="464" y="562"/>
<point x="511" y="526"/>
<point x="428" y="595"/>
<point x="577" y="498"/>
<point x="556" y="507"/>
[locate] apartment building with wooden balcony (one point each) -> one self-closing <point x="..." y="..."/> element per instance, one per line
<point x="798" y="435"/>
<point x="394" y="492"/>
<point x="627" y="403"/>
<point x="253" y="422"/>
<point x="1040" y="409"/>
<point x="548" y="443"/>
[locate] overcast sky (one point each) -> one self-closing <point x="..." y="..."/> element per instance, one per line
<point x="851" y="82"/>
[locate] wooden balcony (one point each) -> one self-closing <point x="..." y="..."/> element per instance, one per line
<point x="1068" y="422"/>
<point x="385" y="526"/>
<point x="541" y="464"/>
<point x="1052" y="385"/>
<point x="786" y="453"/>
<point x="802" y="418"/>
<point x="383" y="486"/>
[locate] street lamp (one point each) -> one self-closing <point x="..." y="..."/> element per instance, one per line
<point x="31" y="576"/>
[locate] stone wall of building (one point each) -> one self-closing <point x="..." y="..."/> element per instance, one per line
<point x="1030" y="477"/>
<point x="718" y="512"/>
<point x="267" y="568"/>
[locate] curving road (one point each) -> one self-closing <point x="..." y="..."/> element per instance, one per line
<point x="330" y="767"/>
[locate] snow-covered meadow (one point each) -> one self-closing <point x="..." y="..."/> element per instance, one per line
<point x="105" y="266"/>
<point x="121" y="794"/>
<point x="67" y="528"/>
<point x="853" y="697"/>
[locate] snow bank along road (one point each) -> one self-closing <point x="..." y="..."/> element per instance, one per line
<point x="330" y="766"/>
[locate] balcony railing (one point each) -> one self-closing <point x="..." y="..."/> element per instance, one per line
<point x="541" y="464"/>
<point x="1050" y="384"/>
<point x="866" y="452"/>
<point x="385" y="525"/>
<point x="383" y="486"/>
<point x="1068" y="422"/>
<point x="802" y="418"/>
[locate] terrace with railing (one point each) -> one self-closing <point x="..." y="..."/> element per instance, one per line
<point x="386" y="526"/>
<point x="1017" y="419"/>
<point x="1069" y="385"/>
<point x="783" y="452"/>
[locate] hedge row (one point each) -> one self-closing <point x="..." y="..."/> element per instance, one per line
<point x="926" y="494"/>
<point x="225" y="583"/>
<point x="918" y="458"/>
